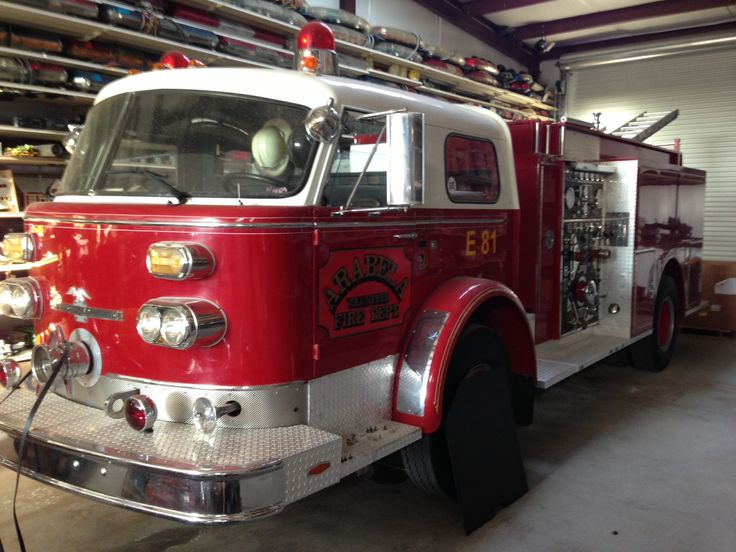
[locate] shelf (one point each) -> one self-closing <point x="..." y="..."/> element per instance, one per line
<point x="31" y="133"/>
<point x="228" y="11"/>
<point x="9" y="214"/>
<point x="81" y="97"/>
<point x="31" y="161"/>
<point x="65" y="62"/>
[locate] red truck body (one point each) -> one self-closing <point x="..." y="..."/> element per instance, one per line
<point x="334" y="324"/>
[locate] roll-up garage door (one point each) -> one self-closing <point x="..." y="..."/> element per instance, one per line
<point x="702" y="85"/>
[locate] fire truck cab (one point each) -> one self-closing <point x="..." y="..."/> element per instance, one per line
<point x="279" y="278"/>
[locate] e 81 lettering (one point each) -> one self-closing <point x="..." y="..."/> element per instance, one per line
<point x="480" y="242"/>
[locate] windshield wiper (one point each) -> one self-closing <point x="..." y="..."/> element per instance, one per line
<point x="181" y="196"/>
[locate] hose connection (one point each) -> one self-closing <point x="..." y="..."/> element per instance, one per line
<point x="74" y="356"/>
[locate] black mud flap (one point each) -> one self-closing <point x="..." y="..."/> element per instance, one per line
<point x="486" y="460"/>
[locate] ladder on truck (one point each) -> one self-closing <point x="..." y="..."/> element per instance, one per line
<point x="645" y="124"/>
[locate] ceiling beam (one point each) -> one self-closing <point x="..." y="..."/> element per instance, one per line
<point x="483" y="7"/>
<point x="637" y="39"/>
<point x="481" y="29"/>
<point x="611" y="17"/>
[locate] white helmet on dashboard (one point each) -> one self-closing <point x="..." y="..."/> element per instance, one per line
<point x="269" y="149"/>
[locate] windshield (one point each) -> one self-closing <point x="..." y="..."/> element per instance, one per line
<point x="190" y="144"/>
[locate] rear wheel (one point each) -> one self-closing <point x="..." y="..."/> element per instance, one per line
<point x="653" y="353"/>
<point x="427" y="461"/>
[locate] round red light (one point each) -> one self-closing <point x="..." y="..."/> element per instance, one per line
<point x="140" y="412"/>
<point x="316" y="36"/>
<point x="175" y="60"/>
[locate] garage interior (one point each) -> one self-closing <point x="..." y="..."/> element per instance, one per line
<point x="616" y="458"/>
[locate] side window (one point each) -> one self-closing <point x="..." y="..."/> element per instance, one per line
<point x="354" y="149"/>
<point x="471" y="170"/>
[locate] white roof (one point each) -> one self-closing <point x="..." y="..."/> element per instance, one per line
<point x="304" y="89"/>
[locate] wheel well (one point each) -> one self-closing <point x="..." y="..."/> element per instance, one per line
<point x="511" y="325"/>
<point x="673" y="270"/>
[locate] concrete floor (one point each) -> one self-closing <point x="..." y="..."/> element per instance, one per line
<point x="617" y="460"/>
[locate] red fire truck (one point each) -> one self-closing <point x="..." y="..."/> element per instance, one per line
<point x="278" y="278"/>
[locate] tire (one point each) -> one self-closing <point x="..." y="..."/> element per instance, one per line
<point x="427" y="461"/>
<point x="653" y="353"/>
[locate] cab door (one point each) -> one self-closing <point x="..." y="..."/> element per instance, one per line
<point x="364" y="255"/>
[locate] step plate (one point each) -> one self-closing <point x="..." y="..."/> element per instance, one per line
<point x="361" y="451"/>
<point x="560" y="359"/>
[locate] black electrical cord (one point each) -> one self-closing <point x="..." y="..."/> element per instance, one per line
<point x="22" y="446"/>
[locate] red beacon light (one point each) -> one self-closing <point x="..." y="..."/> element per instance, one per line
<point x="316" y="50"/>
<point x="177" y="60"/>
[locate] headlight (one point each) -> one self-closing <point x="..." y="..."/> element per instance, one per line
<point x="180" y="323"/>
<point x="19" y="247"/>
<point x="177" y="327"/>
<point x="180" y="261"/>
<point x="6" y="299"/>
<point x="21" y="301"/>
<point x="20" y="298"/>
<point x="149" y="324"/>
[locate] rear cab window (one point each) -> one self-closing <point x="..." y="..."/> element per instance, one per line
<point x="471" y="170"/>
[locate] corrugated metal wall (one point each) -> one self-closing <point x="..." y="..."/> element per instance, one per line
<point x="702" y="85"/>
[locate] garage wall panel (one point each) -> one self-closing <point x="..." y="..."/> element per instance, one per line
<point x="701" y="85"/>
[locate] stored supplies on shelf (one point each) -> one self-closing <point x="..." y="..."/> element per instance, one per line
<point x="459" y="84"/>
<point x="60" y="60"/>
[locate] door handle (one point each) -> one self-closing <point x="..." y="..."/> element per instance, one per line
<point x="409" y="236"/>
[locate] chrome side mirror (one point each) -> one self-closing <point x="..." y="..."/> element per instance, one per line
<point x="405" y="177"/>
<point x="323" y="123"/>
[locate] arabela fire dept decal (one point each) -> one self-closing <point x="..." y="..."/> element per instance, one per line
<point x="364" y="290"/>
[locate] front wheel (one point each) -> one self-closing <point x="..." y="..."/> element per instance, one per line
<point x="653" y="353"/>
<point x="427" y="461"/>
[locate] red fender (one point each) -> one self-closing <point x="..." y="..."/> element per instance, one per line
<point x="436" y="329"/>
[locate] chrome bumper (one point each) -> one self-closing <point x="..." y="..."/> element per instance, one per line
<point x="175" y="471"/>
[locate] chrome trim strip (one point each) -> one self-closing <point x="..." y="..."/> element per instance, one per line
<point x="280" y="225"/>
<point x="185" y="516"/>
<point x="201" y="387"/>
<point x="90" y="312"/>
<point x="261" y="407"/>
<point x="645" y="250"/>
<point x="178" y="224"/>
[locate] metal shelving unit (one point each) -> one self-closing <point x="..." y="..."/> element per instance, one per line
<point x="83" y="29"/>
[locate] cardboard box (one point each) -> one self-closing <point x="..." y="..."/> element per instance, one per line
<point x="720" y="315"/>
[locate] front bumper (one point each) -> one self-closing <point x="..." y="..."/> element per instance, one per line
<point x="175" y="472"/>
